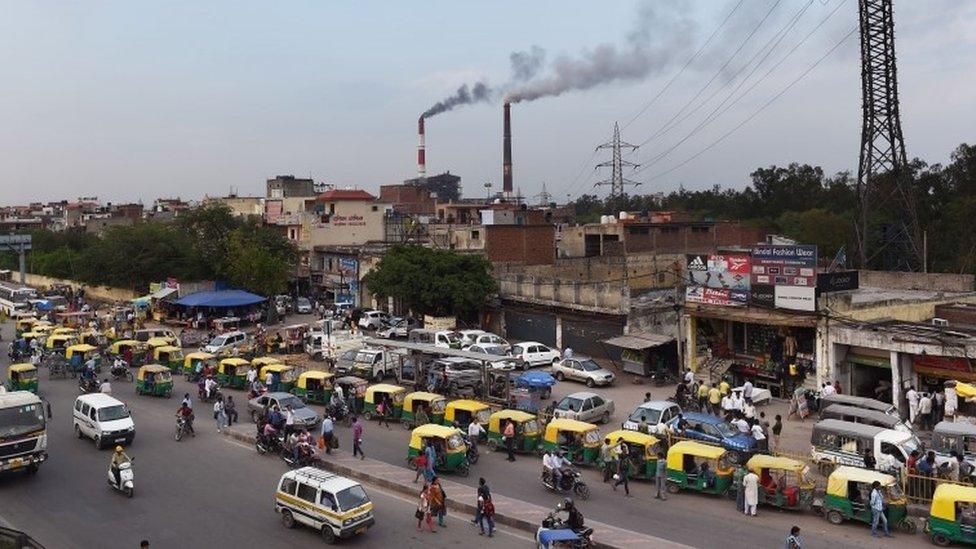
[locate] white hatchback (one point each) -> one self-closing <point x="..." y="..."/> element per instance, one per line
<point x="535" y="354"/>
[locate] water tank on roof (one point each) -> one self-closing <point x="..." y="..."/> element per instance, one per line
<point x="623" y="215"/>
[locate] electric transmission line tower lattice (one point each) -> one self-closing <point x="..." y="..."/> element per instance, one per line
<point x="617" y="164"/>
<point x="882" y="145"/>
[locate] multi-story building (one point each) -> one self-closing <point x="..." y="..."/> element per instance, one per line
<point x="289" y="186"/>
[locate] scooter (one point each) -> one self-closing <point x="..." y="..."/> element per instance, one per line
<point x="127" y="478"/>
<point x="554" y="531"/>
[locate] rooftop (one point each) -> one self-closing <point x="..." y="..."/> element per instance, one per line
<point x="346" y="194"/>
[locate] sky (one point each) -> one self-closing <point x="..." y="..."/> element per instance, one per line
<point x="133" y="100"/>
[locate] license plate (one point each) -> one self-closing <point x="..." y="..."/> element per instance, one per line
<point x="122" y="439"/>
<point x="16" y="463"/>
<point x="360" y="530"/>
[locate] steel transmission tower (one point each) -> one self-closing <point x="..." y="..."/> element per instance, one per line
<point x="882" y="144"/>
<point x="617" y="164"/>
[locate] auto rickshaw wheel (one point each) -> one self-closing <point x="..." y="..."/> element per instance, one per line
<point x="673" y="487"/>
<point x="406" y="425"/>
<point x="908" y="526"/>
<point x="582" y="490"/>
<point x="463" y="469"/>
<point x="941" y="540"/>
<point x="493" y="445"/>
<point x="834" y="517"/>
<point x="368" y="415"/>
<point x="287" y="519"/>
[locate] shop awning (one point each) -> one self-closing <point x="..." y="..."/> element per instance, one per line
<point x="162" y="292"/>
<point x="866" y="360"/>
<point x="639" y="341"/>
<point x="226" y="298"/>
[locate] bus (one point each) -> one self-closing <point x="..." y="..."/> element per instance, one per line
<point x="14" y="297"/>
<point x="23" y="436"/>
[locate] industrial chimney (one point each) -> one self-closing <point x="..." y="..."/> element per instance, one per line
<point x="507" y="152"/>
<point x="421" y="152"/>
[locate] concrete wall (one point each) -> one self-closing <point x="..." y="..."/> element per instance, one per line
<point x="105" y="293"/>
<point x="937" y="282"/>
<point x="352" y="223"/>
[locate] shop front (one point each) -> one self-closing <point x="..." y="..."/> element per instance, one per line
<point x="868" y="373"/>
<point x="932" y="372"/>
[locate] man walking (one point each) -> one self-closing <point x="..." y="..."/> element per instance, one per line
<point x="357" y="438"/>
<point x="623" y="468"/>
<point x="509" y="435"/>
<point x="877" y="510"/>
<point x="714" y="399"/>
<point x="606" y="457"/>
<point x="231" y="410"/>
<point x="912" y="396"/>
<point x="925" y="411"/>
<point x="661" y="476"/>
<point x="484" y="495"/>
<point x="750" y="485"/>
<point x="327" y="428"/>
<point x="438" y="501"/>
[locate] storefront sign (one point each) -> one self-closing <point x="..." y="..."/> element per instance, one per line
<point x="347" y="221"/>
<point x="763" y="295"/>
<point x="796" y="298"/>
<point x="348" y="265"/>
<point x="941" y="364"/>
<point x="719" y="271"/>
<point x="716" y="296"/>
<point x="837" y="282"/>
<point x="785" y="265"/>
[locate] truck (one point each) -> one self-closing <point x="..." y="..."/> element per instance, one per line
<point x="373" y="364"/>
<point x="23" y="431"/>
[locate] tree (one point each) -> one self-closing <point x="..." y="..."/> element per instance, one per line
<point x="251" y="263"/>
<point x="431" y="281"/>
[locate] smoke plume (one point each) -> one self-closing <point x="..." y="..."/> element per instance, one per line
<point x="464" y="95"/>
<point x="526" y="64"/>
<point x="660" y="32"/>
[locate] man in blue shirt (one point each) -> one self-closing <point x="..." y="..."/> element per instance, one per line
<point x="327" y="433"/>
<point x="877" y="510"/>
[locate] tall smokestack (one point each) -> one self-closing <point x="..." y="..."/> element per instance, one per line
<point x="507" y="152"/>
<point x="421" y="151"/>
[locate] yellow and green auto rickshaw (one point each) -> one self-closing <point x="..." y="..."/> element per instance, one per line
<point x="232" y="373"/>
<point x="952" y="517"/>
<point x="848" y="497"/>
<point x="24" y="324"/>
<point x="31" y="336"/>
<point x="169" y="355"/>
<point x="284" y="376"/>
<point x="64" y="330"/>
<point x="430" y="404"/>
<point x="43" y="328"/>
<point x="449" y="445"/>
<point x="92" y="337"/>
<point x="642" y="451"/>
<point x="464" y="411"/>
<point x="783" y="482"/>
<point x="22" y="377"/>
<point x="262" y="361"/>
<point x="578" y="439"/>
<point x="194" y="363"/>
<point x="698" y="467"/>
<point x="154" y="380"/>
<point x="79" y="354"/>
<point x="120" y="347"/>
<point x="314" y="386"/>
<point x="526" y="430"/>
<point x="155" y="342"/>
<point x="58" y="343"/>
<point x="391" y="394"/>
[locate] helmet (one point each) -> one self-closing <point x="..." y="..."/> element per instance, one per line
<point x="118" y="449"/>
<point x="568" y="503"/>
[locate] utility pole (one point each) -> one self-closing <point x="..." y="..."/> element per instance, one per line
<point x="544" y="197"/>
<point x="617" y="164"/>
<point x="883" y="146"/>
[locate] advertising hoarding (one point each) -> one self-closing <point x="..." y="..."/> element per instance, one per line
<point x="730" y="271"/>
<point x="797" y="298"/>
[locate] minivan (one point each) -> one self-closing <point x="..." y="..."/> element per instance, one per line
<point x="334" y="506"/>
<point x="837" y="442"/>
<point x="104" y="419"/>
<point x="145" y="335"/>
<point x="223" y="344"/>
<point x="445" y="339"/>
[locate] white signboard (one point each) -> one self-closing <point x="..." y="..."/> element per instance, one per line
<point x="797" y="298"/>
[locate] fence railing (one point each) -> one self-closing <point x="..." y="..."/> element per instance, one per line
<point x="919" y="488"/>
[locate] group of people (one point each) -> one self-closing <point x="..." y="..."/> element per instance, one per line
<point x="926" y="409"/>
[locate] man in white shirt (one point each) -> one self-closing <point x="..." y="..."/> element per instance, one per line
<point x="689" y="377"/>
<point x="209" y="386"/>
<point x="475" y="432"/>
<point x="747" y="390"/>
<point x="741" y="424"/>
<point x="760" y="436"/>
<point x="828" y="390"/>
<point x="925" y="410"/>
<point x="105" y="387"/>
<point x="252" y="375"/>
<point x="748" y="409"/>
<point x="912" y="396"/>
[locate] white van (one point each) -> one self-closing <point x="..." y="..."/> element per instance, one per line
<point x="446" y="339"/>
<point x="103" y="419"/>
<point x="223" y="344"/>
<point x="149" y="333"/>
<point x="335" y="506"/>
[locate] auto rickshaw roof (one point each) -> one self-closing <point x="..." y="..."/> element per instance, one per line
<point x="837" y="481"/>
<point x="234" y="361"/>
<point x="64" y="331"/>
<point x="31" y="334"/>
<point x="422" y="395"/>
<point x="265" y="360"/>
<point x="515" y="415"/>
<point x="61" y="337"/>
<point x="633" y="437"/>
<point x="764" y="461"/>
<point x="168" y="349"/>
<point x="467" y="405"/>
<point x="198" y="355"/>
<point x="566" y="424"/>
<point x="697" y="449"/>
<point x="276" y="367"/>
<point x="384" y="388"/>
<point x="43" y="328"/>
<point x="945" y="498"/>
<point x="81" y="348"/>
<point x="965" y="390"/>
<point x="956" y="428"/>
<point x="22" y="367"/>
<point x="158" y="342"/>
<point x="153" y="368"/>
<point x="315" y="374"/>
<point x="431" y="430"/>
<point x="129" y="342"/>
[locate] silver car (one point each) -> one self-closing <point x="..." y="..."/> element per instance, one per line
<point x="585" y="406"/>
<point x="583" y="369"/>
<point x="304" y="416"/>
<point x="496" y="350"/>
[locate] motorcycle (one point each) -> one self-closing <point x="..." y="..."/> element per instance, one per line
<point x="202" y="395"/>
<point x="306" y="456"/>
<point x="340" y="412"/>
<point x="183" y="429"/>
<point x="571" y="482"/>
<point x="555" y="522"/>
<point x="86" y="385"/>
<point x="269" y="445"/>
<point x="126" y="476"/>
<point x="121" y="372"/>
<point x="472" y="450"/>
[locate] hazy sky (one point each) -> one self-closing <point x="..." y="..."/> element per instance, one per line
<point x="133" y="99"/>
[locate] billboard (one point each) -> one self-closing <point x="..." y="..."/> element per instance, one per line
<point x="785" y="265"/>
<point x="797" y="298"/>
<point x="720" y="271"/>
<point x="716" y="296"/>
<point x="763" y="295"/>
<point x="837" y="282"/>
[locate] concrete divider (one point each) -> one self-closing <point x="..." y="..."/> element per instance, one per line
<point x="462" y="498"/>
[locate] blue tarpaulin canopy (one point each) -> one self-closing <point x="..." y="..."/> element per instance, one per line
<point x="535" y="380"/>
<point x="225" y="298"/>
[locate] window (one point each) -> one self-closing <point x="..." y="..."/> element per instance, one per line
<point x="597" y="401"/>
<point x="475" y="235"/>
<point x="332" y="208"/>
<point x="307" y="493"/>
<point x="327" y="500"/>
<point x="288" y="486"/>
<point x="91" y="413"/>
<point x="588" y="404"/>
<point x="893" y="451"/>
<point x="85" y="409"/>
<point x="374" y="208"/>
<point x="78" y="405"/>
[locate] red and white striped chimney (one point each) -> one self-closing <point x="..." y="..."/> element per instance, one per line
<point x="421" y="151"/>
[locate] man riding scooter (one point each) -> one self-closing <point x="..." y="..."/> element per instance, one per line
<point x="118" y="458"/>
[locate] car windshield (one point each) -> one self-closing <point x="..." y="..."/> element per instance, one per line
<point x="650" y="415"/>
<point x="365" y="358"/>
<point x="352" y="497"/>
<point x="465" y="366"/>
<point x="112" y="413"/>
<point x="20" y="420"/>
<point x="302" y="302"/>
<point x="568" y="403"/>
<point x="218" y="341"/>
<point x="589" y="365"/>
<point x="294" y="402"/>
<point x="726" y="430"/>
<point x="497" y="351"/>
<point x="350" y="355"/>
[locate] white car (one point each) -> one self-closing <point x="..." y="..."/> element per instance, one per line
<point x="374" y="320"/>
<point x="585" y="406"/>
<point x="655" y="413"/>
<point x="496" y="350"/>
<point x="225" y="343"/>
<point x="760" y="397"/>
<point x="468" y="336"/>
<point x="103" y="419"/>
<point x="303" y="306"/>
<point x="584" y="369"/>
<point x="534" y="354"/>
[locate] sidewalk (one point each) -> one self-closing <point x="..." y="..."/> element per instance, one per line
<point x="510" y="512"/>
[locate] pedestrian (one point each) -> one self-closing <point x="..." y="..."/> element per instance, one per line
<point x="420" y="463"/>
<point x="438" y="501"/>
<point x="647" y="397"/>
<point x="327" y="433"/>
<point x="606" y="458"/>
<point x="509" y="437"/>
<point x="925" y="411"/>
<point x="423" y="511"/>
<point x="483" y="493"/>
<point x="877" y="510"/>
<point x="951" y="402"/>
<point x="759" y="436"/>
<point x="777" y="431"/>
<point x="702" y="397"/>
<point x="793" y="540"/>
<point x="431" y="453"/>
<point x="252" y="376"/>
<point x="487" y="514"/>
<point x="750" y="485"/>
<point x="381" y="410"/>
<point x="144" y="544"/>
<point x="623" y="468"/>
<point x="661" y="476"/>
<point x="714" y="398"/>
<point x="357" y="438"/>
<point x="740" y="498"/>
<point x="938" y="407"/>
<point x="724" y="387"/>
<point x="912" y="395"/>
<point x="689" y="377"/>
<point x="289" y="418"/>
<point x="747" y="390"/>
<point x="219" y="414"/>
<point x="230" y="408"/>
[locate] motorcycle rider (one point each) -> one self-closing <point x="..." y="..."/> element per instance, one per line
<point x="118" y="458"/>
<point x="551" y="467"/>
<point x="186" y="414"/>
<point x="105" y="387"/>
<point x="575" y="520"/>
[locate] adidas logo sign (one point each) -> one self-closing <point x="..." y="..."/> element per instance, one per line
<point x="697" y="263"/>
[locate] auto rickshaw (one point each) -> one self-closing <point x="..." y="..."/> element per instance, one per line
<point x="849" y="498"/>
<point x="393" y="394"/>
<point x="154" y="380"/>
<point x="314" y="386"/>
<point x="232" y="373"/>
<point x="262" y="361"/>
<point x="119" y="348"/>
<point x="580" y="440"/>
<point x="155" y="342"/>
<point x="284" y="376"/>
<point x="63" y="330"/>
<point x="169" y="355"/>
<point x="952" y="517"/>
<point x="25" y="324"/>
<point x="43" y="328"/>
<point x="642" y="455"/>
<point x="353" y="390"/>
<point x="91" y="337"/>
<point x="31" y="336"/>
<point x="22" y="377"/>
<point x="78" y="355"/>
<point x="452" y="451"/>
<point x="432" y="403"/>
<point x="58" y="343"/>
<point x="464" y="411"/>
<point x="698" y="467"/>
<point x="526" y="430"/>
<point x="194" y="363"/>
<point x="783" y="482"/>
